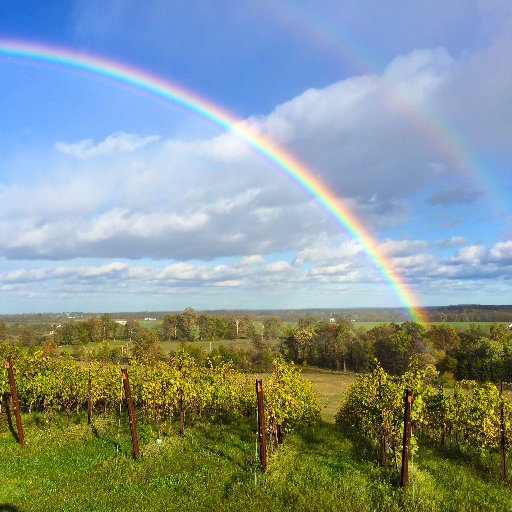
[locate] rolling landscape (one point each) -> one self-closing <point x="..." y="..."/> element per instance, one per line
<point x="255" y="256"/>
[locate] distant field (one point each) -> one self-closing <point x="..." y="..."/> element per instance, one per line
<point x="150" y="324"/>
<point x="466" y="325"/>
<point x="168" y="346"/>
<point x="329" y="387"/>
<point x="211" y="345"/>
<point x="457" y="325"/>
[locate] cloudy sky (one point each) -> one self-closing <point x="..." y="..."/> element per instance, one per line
<point x="114" y="199"/>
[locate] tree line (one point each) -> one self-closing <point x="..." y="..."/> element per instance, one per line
<point x="473" y="353"/>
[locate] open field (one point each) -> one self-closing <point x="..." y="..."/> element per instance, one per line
<point x="366" y="326"/>
<point x="329" y="387"/>
<point x="168" y="346"/>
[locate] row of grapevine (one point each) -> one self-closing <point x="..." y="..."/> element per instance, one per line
<point x="473" y="416"/>
<point x="160" y="389"/>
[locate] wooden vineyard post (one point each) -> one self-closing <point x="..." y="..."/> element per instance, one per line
<point x="404" y="476"/>
<point x="182" y="414"/>
<point x="382" y="438"/>
<point x="14" y="397"/>
<point x="181" y="404"/>
<point x="89" y="401"/>
<point x="133" y="428"/>
<point x="502" y="436"/>
<point x="279" y="434"/>
<point x="261" y="425"/>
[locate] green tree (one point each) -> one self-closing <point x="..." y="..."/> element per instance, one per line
<point x="94" y="329"/>
<point x="246" y="327"/>
<point x="74" y="333"/>
<point x="130" y="328"/>
<point x="207" y="327"/>
<point x="3" y="331"/>
<point x="108" y="327"/>
<point x="26" y="337"/>
<point x="146" y="346"/>
<point x="170" y="327"/>
<point x="272" y="326"/>
<point x="443" y="337"/>
<point x="187" y="325"/>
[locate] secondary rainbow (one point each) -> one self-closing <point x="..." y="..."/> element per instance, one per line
<point x="282" y="160"/>
<point x="319" y="26"/>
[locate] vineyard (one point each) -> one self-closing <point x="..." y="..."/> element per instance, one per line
<point x="214" y="463"/>
<point x="472" y="417"/>
<point x="160" y="390"/>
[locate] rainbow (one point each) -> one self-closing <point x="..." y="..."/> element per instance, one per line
<point x="281" y="159"/>
<point x="328" y="30"/>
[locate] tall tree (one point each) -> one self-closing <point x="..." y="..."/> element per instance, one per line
<point x="187" y="326"/>
<point x="170" y="327"/>
<point x="146" y="346"/>
<point x="272" y="327"/>
<point x="3" y="331"/>
<point x="108" y="326"/>
<point x="130" y="328"/>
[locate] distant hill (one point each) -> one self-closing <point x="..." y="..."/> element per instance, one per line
<point x="455" y="313"/>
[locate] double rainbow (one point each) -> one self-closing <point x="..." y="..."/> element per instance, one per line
<point x="282" y="160"/>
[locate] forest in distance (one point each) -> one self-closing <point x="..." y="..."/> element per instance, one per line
<point x="463" y="350"/>
<point x="453" y="313"/>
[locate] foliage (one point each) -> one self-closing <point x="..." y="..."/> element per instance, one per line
<point x="469" y="416"/>
<point x="160" y="388"/>
<point x="289" y="400"/>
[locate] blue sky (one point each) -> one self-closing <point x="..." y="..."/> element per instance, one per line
<point x="112" y="199"/>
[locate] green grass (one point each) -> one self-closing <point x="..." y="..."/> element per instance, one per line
<point x="168" y="346"/>
<point x="215" y="468"/>
<point x="329" y="387"/>
<point x="366" y="326"/>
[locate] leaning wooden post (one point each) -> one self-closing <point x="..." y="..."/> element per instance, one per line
<point x="404" y="476"/>
<point x="502" y="436"/>
<point x="133" y="428"/>
<point x="14" y="397"/>
<point x="261" y="425"/>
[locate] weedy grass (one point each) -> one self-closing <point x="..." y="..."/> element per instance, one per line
<point x="215" y="467"/>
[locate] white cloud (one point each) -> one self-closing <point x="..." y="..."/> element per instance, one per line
<point x="421" y="71"/>
<point x="254" y="259"/>
<point x="277" y="266"/>
<point x="501" y="252"/>
<point x="116" y="143"/>
<point x="471" y="255"/>
<point x="321" y="250"/>
<point x="330" y="270"/>
<point x="402" y="247"/>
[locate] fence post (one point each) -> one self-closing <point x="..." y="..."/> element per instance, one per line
<point x="182" y="413"/>
<point x="133" y="428"/>
<point x="382" y="438"/>
<point x="279" y="434"/>
<point x="14" y="397"/>
<point x="261" y="425"/>
<point x="89" y="401"/>
<point x="502" y="436"/>
<point x="404" y="476"/>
